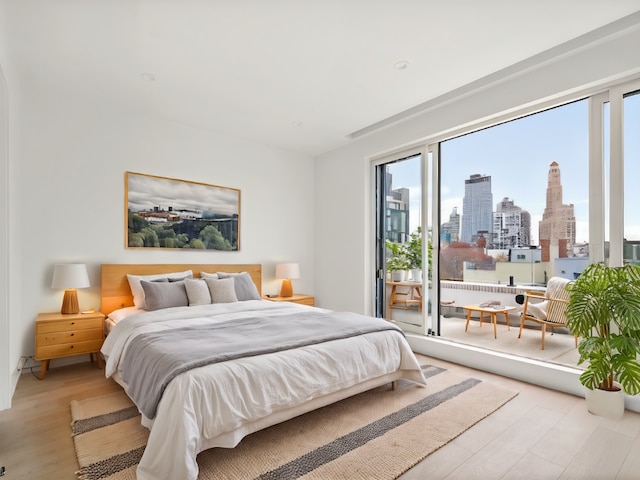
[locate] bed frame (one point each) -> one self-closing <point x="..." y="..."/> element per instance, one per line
<point x="115" y="292"/>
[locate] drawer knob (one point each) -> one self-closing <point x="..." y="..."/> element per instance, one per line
<point x="71" y="346"/>
<point x="73" y="323"/>
<point x="72" y="334"/>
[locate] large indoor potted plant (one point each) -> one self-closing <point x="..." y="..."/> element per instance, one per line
<point x="604" y="312"/>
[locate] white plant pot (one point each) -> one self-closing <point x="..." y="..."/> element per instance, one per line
<point x="605" y="403"/>
<point x="416" y="275"/>
<point x="397" y="275"/>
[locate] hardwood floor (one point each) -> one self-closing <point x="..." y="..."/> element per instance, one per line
<point x="540" y="434"/>
<point x="35" y="433"/>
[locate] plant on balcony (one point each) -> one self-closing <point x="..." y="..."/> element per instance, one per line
<point x="414" y="249"/>
<point x="397" y="261"/>
<point x="604" y="311"/>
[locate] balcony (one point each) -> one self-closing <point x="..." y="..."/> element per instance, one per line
<point x="559" y="345"/>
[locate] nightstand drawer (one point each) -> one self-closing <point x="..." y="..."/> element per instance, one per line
<point x="56" y="338"/>
<point x="306" y="301"/>
<point x="69" y="325"/>
<point x="300" y="298"/>
<point x="66" y="349"/>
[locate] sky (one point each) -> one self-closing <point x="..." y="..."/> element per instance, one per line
<point x="517" y="156"/>
<point x="145" y="192"/>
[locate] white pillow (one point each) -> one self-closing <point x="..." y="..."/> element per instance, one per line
<point x="123" y="313"/>
<point x="197" y="291"/>
<point x="222" y="290"/>
<point x="538" y="310"/>
<point x="208" y="275"/>
<point x="138" y="292"/>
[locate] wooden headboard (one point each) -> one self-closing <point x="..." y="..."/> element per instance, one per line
<point x="115" y="292"/>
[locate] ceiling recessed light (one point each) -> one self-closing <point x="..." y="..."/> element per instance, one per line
<point x="149" y="77"/>
<point x="401" y="65"/>
<point x="297" y="123"/>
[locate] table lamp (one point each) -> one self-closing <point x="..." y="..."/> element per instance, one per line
<point x="70" y="276"/>
<point x="287" y="271"/>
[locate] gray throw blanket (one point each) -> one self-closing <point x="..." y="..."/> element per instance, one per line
<point x="154" y="359"/>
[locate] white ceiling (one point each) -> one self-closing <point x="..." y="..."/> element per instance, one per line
<point x="297" y="74"/>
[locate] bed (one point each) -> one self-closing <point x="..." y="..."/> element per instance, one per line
<point x="286" y="360"/>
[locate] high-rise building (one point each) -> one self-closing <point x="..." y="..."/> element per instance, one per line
<point x="397" y="212"/>
<point x="511" y="225"/>
<point x="450" y="231"/>
<point x="558" y="224"/>
<point x="477" y="209"/>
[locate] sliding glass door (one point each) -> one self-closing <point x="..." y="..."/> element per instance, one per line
<point x="401" y="270"/>
<point x="631" y="155"/>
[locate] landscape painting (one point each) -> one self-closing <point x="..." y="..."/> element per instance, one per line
<point x="166" y="212"/>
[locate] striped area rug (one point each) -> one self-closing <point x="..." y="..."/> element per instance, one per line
<point x="378" y="434"/>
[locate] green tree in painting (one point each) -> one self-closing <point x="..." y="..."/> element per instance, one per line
<point x="168" y="242"/>
<point x="181" y="240"/>
<point x="213" y="239"/>
<point x="196" y="243"/>
<point x="150" y="237"/>
<point x="136" y="240"/>
<point x="136" y="223"/>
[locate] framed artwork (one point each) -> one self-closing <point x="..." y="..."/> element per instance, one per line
<point x="163" y="212"/>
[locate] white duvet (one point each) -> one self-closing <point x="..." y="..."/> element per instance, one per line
<point x="217" y="405"/>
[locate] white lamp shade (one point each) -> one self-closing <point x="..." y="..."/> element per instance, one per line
<point x="288" y="270"/>
<point x="70" y="275"/>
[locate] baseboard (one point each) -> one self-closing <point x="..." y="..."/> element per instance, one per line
<point x="15" y="376"/>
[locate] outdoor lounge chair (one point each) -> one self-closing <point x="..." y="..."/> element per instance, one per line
<point x="547" y="308"/>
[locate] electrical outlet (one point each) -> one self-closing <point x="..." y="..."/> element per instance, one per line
<point x="22" y="363"/>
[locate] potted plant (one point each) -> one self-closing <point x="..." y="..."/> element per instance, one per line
<point x="397" y="262"/>
<point x="414" y="254"/>
<point x="604" y="312"/>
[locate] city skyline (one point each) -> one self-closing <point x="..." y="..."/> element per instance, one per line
<point x="519" y="171"/>
<point x="517" y="155"/>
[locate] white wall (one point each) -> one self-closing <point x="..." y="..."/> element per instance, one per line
<point x="75" y="152"/>
<point x="9" y="240"/>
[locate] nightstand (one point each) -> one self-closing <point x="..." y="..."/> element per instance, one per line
<point x="295" y="298"/>
<point x="63" y="335"/>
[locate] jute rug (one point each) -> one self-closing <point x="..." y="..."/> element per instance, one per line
<point x="378" y="434"/>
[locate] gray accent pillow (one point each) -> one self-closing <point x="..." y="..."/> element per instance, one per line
<point x="197" y="291"/>
<point x="138" y="292"/>
<point x="159" y="295"/>
<point x="222" y="290"/>
<point x="244" y="286"/>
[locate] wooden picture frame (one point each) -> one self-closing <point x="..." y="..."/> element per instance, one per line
<point x="168" y="213"/>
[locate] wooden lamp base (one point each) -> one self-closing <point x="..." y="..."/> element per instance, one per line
<point x="70" y="302"/>
<point x="286" y="290"/>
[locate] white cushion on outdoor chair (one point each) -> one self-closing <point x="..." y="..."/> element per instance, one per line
<point x="538" y="310"/>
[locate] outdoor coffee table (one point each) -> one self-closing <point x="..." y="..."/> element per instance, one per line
<point x="492" y="311"/>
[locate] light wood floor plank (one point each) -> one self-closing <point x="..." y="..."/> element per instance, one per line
<point x="532" y="467"/>
<point x="602" y="456"/>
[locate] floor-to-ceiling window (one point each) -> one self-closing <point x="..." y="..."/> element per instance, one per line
<point x="514" y="210"/>
<point x="519" y="202"/>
